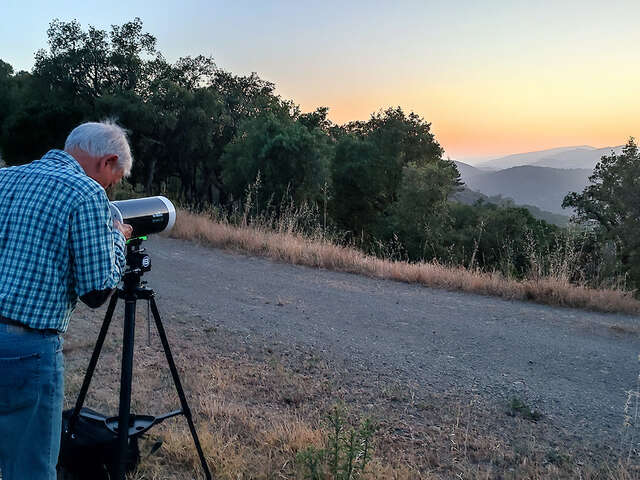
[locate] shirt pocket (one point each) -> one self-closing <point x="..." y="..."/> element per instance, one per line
<point x="19" y="382"/>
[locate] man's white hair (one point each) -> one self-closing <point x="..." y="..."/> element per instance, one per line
<point x="102" y="138"/>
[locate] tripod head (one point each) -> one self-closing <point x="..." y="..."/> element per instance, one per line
<point x="138" y="263"/>
<point x="137" y="260"/>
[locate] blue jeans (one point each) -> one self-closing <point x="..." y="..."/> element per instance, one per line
<point x="31" y="395"/>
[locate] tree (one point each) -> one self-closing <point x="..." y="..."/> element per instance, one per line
<point x="86" y="65"/>
<point x="420" y="214"/>
<point x="37" y="119"/>
<point x="401" y="139"/>
<point x="74" y="79"/>
<point x="242" y="98"/>
<point x="6" y="98"/>
<point x="357" y="184"/>
<point x="316" y="119"/>
<point x="611" y="204"/>
<point x="370" y="160"/>
<point x="291" y="159"/>
<point x="181" y="117"/>
<point x="6" y="90"/>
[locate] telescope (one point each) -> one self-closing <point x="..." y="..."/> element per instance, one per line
<point x="146" y="215"/>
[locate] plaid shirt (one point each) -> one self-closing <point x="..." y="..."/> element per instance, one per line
<point x="57" y="241"/>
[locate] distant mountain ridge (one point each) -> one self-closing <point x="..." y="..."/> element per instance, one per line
<point x="583" y="156"/>
<point x="541" y="178"/>
<point x="577" y="158"/>
<point x="470" y="197"/>
<point x="468" y="171"/>
<point x="543" y="187"/>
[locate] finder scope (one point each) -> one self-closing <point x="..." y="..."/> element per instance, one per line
<point x="146" y="215"/>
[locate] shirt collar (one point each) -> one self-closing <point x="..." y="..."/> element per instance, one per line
<point x="60" y="156"/>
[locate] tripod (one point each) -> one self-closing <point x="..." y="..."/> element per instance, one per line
<point x="134" y="289"/>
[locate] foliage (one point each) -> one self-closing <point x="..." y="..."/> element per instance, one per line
<point x="369" y="167"/>
<point x="346" y="453"/>
<point x="520" y="408"/>
<point x="611" y="206"/>
<point x="484" y="236"/>
<point x="181" y="116"/>
<point x="357" y="183"/>
<point x="470" y="197"/>
<point x="203" y="136"/>
<point x="291" y="158"/>
<point x="89" y="64"/>
<point x="421" y="213"/>
<point x="488" y="236"/>
<point x="6" y="87"/>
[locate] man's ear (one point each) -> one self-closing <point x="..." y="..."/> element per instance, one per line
<point x="111" y="161"/>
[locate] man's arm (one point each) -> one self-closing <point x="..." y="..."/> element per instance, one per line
<point x="96" y="298"/>
<point x="97" y="250"/>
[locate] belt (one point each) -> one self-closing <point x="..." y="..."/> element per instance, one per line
<point x="13" y="323"/>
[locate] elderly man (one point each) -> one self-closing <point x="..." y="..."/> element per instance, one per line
<point x="57" y="243"/>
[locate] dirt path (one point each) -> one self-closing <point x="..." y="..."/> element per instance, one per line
<point x="574" y="367"/>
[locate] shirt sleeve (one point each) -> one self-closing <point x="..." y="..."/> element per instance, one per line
<point x="97" y="250"/>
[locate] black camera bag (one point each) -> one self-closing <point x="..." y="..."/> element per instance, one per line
<point x="90" y="451"/>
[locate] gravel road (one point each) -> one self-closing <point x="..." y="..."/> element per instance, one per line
<point x="573" y="366"/>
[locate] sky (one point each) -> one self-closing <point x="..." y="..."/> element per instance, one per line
<point x="492" y="77"/>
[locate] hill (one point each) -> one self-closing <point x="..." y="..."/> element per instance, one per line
<point x="543" y="187"/>
<point x="468" y="171"/>
<point x="470" y="197"/>
<point x="581" y="157"/>
<point x="528" y="158"/>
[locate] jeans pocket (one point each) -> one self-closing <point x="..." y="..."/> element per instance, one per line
<point x="19" y="382"/>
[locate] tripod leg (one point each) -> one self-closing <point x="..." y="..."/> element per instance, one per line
<point x="176" y="380"/>
<point x="125" y="385"/>
<point x="94" y="360"/>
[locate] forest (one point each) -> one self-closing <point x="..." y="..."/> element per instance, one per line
<point x="214" y="141"/>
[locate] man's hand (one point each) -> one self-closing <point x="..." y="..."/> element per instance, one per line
<point x="124" y="228"/>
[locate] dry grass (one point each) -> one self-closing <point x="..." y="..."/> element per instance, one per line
<point x="256" y="407"/>
<point x="294" y="248"/>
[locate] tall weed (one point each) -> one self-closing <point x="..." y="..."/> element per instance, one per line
<point x="346" y="452"/>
